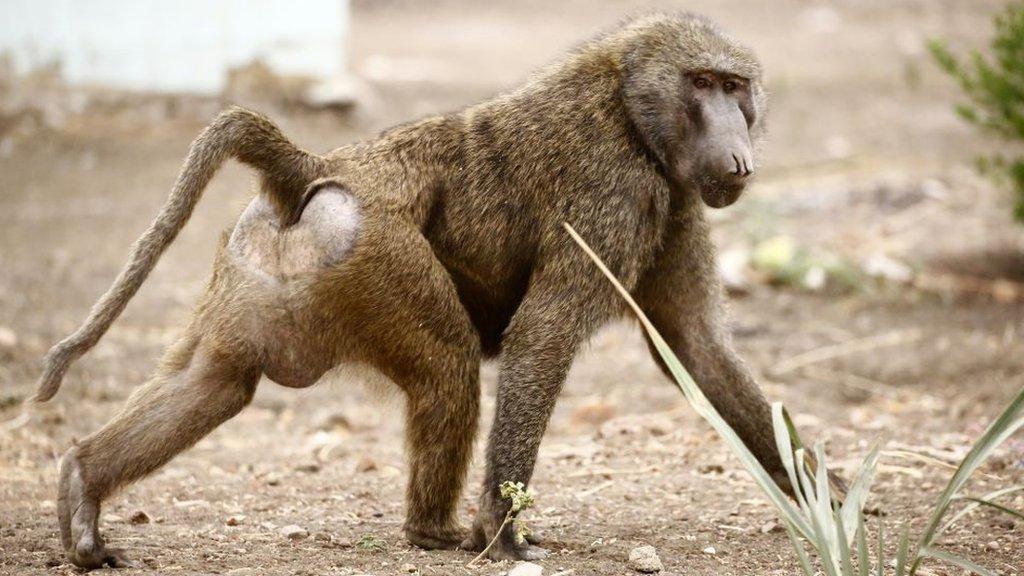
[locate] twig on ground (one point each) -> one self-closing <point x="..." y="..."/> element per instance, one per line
<point x="591" y="491"/>
<point x="854" y="381"/>
<point x="611" y="472"/>
<point x="845" y="349"/>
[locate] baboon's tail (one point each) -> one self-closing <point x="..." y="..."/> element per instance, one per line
<point x="237" y="133"/>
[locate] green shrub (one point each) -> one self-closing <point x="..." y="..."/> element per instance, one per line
<point x="994" y="86"/>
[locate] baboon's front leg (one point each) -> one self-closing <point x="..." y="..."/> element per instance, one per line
<point x="537" y="352"/>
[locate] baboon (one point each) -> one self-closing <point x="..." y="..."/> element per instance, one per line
<point x="439" y="244"/>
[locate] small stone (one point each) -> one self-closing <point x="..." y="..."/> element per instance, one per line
<point x="771" y="526"/>
<point x="273" y="479"/>
<point x="322" y="537"/>
<point x="526" y="569"/>
<point x="711" y="469"/>
<point x="710" y="550"/>
<point x="992" y="546"/>
<point x="410" y="568"/>
<point x="593" y="413"/>
<point x="235" y="520"/>
<point x="308" y="467"/>
<point x="8" y="338"/>
<point x="293" y="532"/>
<point x="366" y="464"/>
<point x="139" y="517"/>
<point x="113" y="518"/>
<point x="645" y="559"/>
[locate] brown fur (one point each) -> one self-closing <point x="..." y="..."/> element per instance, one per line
<point x="448" y="249"/>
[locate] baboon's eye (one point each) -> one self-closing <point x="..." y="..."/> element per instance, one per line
<point x="701" y="82"/>
<point x="730" y="86"/>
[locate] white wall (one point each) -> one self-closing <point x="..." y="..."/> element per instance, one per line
<point x="174" y="45"/>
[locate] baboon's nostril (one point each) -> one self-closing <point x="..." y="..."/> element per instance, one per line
<point x="739" y="171"/>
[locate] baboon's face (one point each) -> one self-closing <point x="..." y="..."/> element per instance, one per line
<point x="695" y="97"/>
<point x="715" y="155"/>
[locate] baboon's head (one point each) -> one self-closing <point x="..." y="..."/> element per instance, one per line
<point x="695" y="96"/>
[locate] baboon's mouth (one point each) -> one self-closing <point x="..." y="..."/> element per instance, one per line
<point x="720" y="196"/>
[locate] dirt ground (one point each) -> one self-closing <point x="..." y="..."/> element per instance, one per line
<point x="864" y="158"/>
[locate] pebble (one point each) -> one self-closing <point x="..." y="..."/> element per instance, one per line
<point x="645" y="559"/>
<point x="526" y="569"/>
<point x="710" y="550"/>
<point x="139" y="517"/>
<point x="273" y="479"/>
<point x="366" y="464"/>
<point x="410" y="568"/>
<point x="113" y="518"/>
<point x="235" y="520"/>
<point x="293" y="532"/>
<point x="8" y="338"/>
<point x="992" y="546"/>
<point x="308" y="467"/>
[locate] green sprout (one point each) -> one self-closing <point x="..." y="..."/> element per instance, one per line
<point x="371" y="543"/>
<point x="520" y="499"/>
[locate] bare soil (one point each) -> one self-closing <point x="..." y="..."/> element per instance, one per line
<point x="865" y="157"/>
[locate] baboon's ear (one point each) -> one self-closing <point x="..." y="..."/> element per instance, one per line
<point x="649" y="90"/>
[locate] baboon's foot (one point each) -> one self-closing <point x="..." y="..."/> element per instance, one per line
<point x="78" y="515"/>
<point x="435" y="538"/>
<point x="507" y="546"/>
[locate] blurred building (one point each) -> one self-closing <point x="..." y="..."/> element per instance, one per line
<point x="178" y="45"/>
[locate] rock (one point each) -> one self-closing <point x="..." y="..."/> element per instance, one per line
<point x="235" y="520"/>
<point x="366" y="464"/>
<point x="293" y="532"/>
<point x="322" y="537"/>
<point x="113" y="518"/>
<point x="889" y="269"/>
<point x="710" y="550"/>
<point x="527" y="569"/>
<point x="308" y="467"/>
<point x="273" y="479"/>
<point x="771" y="526"/>
<point x="410" y="568"/>
<point x="644" y="559"/>
<point x="711" y="469"/>
<point x="139" y="517"/>
<point x="734" y="269"/>
<point x="593" y="413"/>
<point x="992" y="546"/>
<point x="8" y="338"/>
<point x="332" y="420"/>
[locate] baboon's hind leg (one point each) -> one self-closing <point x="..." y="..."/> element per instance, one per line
<point x="196" y="389"/>
<point x="415" y="330"/>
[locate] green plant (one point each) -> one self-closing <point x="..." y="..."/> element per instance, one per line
<point x="371" y="543"/>
<point x="835" y="531"/>
<point x="520" y="499"/>
<point x="784" y="263"/>
<point x="995" y="89"/>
